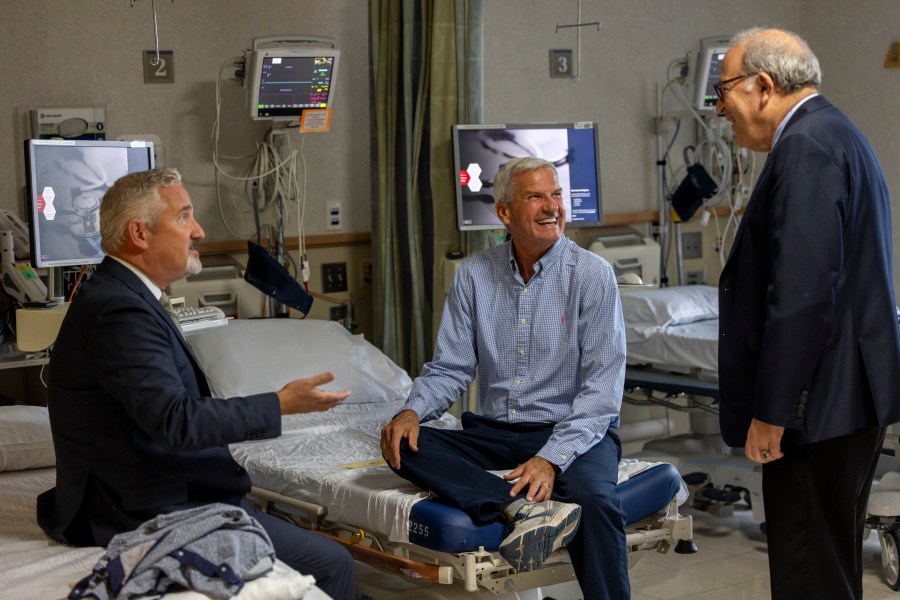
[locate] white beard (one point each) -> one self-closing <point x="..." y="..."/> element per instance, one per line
<point x="194" y="266"/>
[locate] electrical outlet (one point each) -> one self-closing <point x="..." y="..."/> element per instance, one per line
<point x="368" y="273"/>
<point x="338" y="313"/>
<point x="694" y="278"/>
<point x="334" y="277"/>
<point x="333" y="216"/>
<point x="692" y="245"/>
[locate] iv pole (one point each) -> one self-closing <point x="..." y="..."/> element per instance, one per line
<point x="577" y="25"/>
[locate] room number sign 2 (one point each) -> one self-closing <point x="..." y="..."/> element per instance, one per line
<point x="159" y="68"/>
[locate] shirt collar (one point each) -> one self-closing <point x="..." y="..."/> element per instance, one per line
<point x="154" y="289"/>
<point x="788" y="116"/>
<point x="550" y="256"/>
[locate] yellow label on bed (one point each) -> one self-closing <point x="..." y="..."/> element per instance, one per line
<point x="374" y="462"/>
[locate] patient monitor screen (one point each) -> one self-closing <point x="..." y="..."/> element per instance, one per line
<point x="288" y="84"/>
<point x="66" y="182"/>
<point x="709" y="70"/>
<point x="480" y="151"/>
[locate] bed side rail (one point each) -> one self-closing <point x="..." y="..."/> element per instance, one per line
<point x="481" y="568"/>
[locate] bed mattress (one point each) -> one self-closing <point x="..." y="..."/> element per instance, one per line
<point x="33" y="568"/>
<point x="333" y="459"/>
<point x="444" y="528"/>
<point x="688" y="348"/>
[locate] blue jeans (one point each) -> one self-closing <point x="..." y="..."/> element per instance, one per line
<point x="454" y="464"/>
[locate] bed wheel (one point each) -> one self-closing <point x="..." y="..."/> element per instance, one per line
<point x="685" y="547"/>
<point x="890" y="558"/>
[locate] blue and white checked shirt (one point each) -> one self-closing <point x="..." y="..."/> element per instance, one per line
<point x="549" y="351"/>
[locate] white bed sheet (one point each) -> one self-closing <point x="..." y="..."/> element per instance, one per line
<point x="33" y="568"/>
<point x="306" y="463"/>
<point x="310" y="462"/>
<point x="687" y="347"/>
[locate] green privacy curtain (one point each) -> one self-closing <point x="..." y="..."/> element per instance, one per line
<point x="426" y="76"/>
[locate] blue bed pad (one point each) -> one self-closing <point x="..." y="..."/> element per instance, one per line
<point x="444" y="528"/>
<point x="670" y="382"/>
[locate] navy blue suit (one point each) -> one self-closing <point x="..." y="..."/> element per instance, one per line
<point x="809" y="341"/>
<point x="136" y="432"/>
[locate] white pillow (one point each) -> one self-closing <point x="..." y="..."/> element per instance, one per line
<point x="25" y="439"/>
<point x="670" y="306"/>
<point x="251" y="356"/>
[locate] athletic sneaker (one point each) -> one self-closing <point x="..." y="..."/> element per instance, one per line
<point x="539" y="528"/>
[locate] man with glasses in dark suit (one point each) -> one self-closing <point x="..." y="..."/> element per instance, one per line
<point x="809" y="351"/>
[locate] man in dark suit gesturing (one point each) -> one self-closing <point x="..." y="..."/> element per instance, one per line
<point x="809" y="352"/>
<point x="135" y="429"/>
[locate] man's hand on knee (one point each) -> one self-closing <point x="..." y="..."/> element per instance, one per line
<point x="404" y="425"/>
<point x="538" y="475"/>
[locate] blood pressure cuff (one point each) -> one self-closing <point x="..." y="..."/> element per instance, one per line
<point x="692" y="191"/>
<point x="272" y="279"/>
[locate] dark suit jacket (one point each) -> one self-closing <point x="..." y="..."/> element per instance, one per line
<point x="808" y="331"/>
<point x="135" y="430"/>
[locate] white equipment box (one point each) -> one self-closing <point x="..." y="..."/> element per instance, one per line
<point x="630" y="253"/>
<point x="220" y="284"/>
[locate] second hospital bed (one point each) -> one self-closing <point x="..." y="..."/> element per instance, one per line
<point x="672" y="337"/>
<point x="325" y="472"/>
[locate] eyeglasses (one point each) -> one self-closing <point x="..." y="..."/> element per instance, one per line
<point x="720" y="89"/>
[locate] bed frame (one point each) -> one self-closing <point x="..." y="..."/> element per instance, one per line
<point x="475" y="568"/>
<point x="718" y="477"/>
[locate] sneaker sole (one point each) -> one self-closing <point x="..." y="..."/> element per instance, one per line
<point x="527" y="550"/>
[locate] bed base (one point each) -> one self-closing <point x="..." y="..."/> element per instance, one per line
<point x="674" y="384"/>
<point x="717" y="477"/>
<point x="479" y="568"/>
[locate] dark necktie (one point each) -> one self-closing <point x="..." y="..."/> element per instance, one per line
<point x="167" y="305"/>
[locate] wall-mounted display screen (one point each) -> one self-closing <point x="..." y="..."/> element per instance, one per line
<point x="480" y="150"/>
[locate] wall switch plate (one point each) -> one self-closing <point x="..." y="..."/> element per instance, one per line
<point x="334" y="277"/>
<point x="692" y="245"/>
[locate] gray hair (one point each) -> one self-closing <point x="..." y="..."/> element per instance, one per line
<point x="133" y="197"/>
<point x="503" y="180"/>
<point x="787" y="58"/>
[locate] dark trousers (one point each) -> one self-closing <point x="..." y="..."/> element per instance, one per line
<point x="453" y="464"/>
<point x="310" y="554"/>
<point x="815" y="499"/>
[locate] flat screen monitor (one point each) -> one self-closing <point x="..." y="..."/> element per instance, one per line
<point x="709" y="68"/>
<point x="480" y="150"/>
<point x="284" y="81"/>
<point x="66" y="180"/>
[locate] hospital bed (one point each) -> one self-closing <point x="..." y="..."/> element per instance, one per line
<point x="672" y="355"/>
<point x="325" y="472"/>
<point x="35" y="568"/>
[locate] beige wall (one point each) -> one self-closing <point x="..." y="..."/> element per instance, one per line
<point x="851" y="41"/>
<point x="622" y="63"/>
<point x="61" y="53"/>
<point x="94" y="58"/>
<point x="89" y="52"/>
